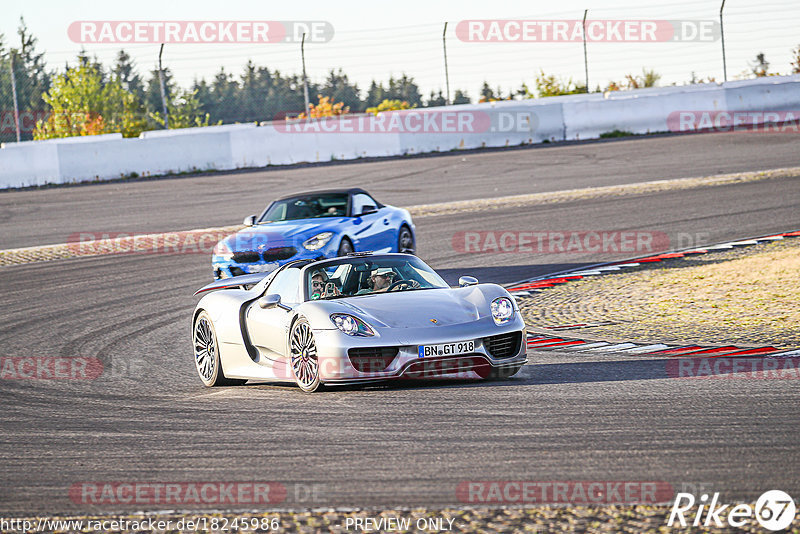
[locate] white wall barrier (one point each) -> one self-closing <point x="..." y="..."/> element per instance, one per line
<point x="495" y="124"/>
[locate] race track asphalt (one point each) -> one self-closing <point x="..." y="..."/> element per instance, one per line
<point x="603" y="417"/>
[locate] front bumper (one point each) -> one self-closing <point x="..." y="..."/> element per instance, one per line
<point x="336" y="366"/>
<point x="225" y="268"/>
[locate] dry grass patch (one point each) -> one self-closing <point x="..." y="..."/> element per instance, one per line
<point x="752" y="298"/>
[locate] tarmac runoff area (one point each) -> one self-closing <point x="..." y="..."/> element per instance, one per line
<point x="203" y="240"/>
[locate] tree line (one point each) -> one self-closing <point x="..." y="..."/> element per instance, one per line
<point x="89" y="98"/>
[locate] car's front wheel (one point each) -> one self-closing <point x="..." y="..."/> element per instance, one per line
<point x="405" y="241"/>
<point x="206" y="354"/>
<point x="494" y="373"/>
<point x="346" y="247"/>
<point x="303" y="355"/>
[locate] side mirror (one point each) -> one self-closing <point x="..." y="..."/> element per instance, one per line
<point x="249" y="221"/>
<point x="269" y="301"/>
<point x="366" y="210"/>
<point x="465" y="281"/>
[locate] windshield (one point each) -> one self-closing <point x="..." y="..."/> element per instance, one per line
<point x="307" y="207"/>
<point x="364" y="276"/>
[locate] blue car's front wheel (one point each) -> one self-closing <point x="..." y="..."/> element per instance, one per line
<point x="346" y="247"/>
<point x="405" y="241"/>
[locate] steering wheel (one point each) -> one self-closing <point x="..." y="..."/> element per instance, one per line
<point x="412" y="284"/>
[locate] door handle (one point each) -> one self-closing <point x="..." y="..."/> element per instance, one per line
<point x="386" y="221"/>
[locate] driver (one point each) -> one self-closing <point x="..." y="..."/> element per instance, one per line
<point x="381" y="279"/>
<point x="321" y="286"/>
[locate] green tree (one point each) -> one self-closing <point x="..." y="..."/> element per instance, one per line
<point x="339" y="89"/>
<point x="487" y="93"/>
<point x="152" y="92"/>
<point x="552" y="85"/>
<point x="760" y="67"/>
<point x="32" y="81"/>
<point x="125" y="71"/>
<point x="461" y="97"/>
<point x="253" y="93"/>
<point x="82" y="104"/>
<point x="185" y="111"/>
<point x="796" y="60"/>
<point x="404" y="88"/>
<point x="436" y="99"/>
<point x="375" y="95"/>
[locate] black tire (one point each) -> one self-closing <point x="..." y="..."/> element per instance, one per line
<point x="206" y="354"/>
<point x="496" y="373"/>
<point x="345" y="247"/>
<point x="303" y="356"/>
<point x="405" y="241"/>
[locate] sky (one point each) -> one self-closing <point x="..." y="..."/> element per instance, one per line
<point x="376" y="40"/>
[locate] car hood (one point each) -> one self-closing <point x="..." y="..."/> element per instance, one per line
<point x="280" y="233"/>
<point x="414" y="309"/>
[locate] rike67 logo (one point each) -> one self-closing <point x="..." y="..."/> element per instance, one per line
<point x="774" y="510"/>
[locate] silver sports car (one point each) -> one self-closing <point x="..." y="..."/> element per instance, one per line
<point x="360" y="318"/>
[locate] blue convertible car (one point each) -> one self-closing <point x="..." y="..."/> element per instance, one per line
<point x="314" y="225"/>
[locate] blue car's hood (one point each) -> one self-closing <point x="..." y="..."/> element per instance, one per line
<point x="280" y="233"/>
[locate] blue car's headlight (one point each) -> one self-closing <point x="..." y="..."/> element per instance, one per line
<point x="502" y="310"/>
<point x="222" y="252"/>
<point x="318" y="241"/>
<point x="352" y="326"/>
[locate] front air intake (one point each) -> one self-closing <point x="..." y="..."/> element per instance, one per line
<point x="503" y="345"/>
<point x="372" y="359"/>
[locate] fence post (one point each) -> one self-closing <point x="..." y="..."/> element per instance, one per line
<point x="14" y="93"/>
<point x="446" y="72"/>
<point x="722" y="36"/>
<point x="305" y="78"/>
<point x="585" y="57"/>
<point x="163" y="91"/>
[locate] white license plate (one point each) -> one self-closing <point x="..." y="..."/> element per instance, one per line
<point x="447" y="349"/>
<point x="263" y="268"/>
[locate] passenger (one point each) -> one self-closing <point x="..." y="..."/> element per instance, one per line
<point x="322" y="286"/>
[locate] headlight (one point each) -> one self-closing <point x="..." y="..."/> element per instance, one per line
<point x="352" y="326"/>
<point x="318" y="241"/>
<point x="502" y="310"/>
<point x="222" y="252"/>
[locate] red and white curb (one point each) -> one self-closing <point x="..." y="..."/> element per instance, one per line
<point x="545" y="342"/>
<point x="541" y="342"/>
<point x="536" y="285"/>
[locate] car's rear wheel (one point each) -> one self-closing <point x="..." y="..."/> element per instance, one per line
<point x="405" y="241"/>
<point x="346" y="247"/>
<point x="303" y="355"/>
<point x="206" y="354"/>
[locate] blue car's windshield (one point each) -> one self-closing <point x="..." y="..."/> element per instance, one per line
<point x="363" y="276"/>
<point x="307" y="207"/>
